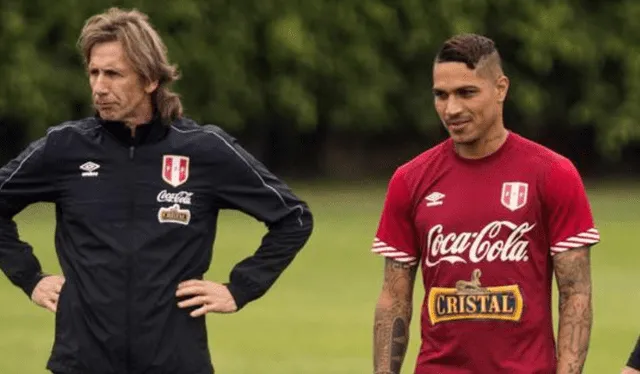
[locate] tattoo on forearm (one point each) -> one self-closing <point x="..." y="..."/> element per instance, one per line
<point x="575" y="310"/>
<point x="392" y="318"/>
<point x="399" y="342"/>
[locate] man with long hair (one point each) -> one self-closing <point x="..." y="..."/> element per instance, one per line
<point x="137" y="189"/>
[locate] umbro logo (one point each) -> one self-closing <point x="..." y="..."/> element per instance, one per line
<point x="89" y="169"/>
<point x="435" y="199"/>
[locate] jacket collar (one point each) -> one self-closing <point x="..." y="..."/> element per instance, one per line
<point x="146" y="133"/>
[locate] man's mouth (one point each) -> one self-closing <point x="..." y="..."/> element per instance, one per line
<point x="457" y="125"/>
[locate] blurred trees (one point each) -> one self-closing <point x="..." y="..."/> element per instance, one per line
<point x="294" y="74"/>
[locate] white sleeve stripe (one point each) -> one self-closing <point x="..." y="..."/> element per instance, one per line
<point x="579" y="240"/>
<point x="382" y="248"/>
<point x="591" y="236"/>
<point x="391" y="253"/>
<point x="570" y="245"/>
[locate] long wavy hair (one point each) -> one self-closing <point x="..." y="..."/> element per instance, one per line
<point x="144" y="48"/>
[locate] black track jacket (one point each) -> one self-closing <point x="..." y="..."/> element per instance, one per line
<point x="134" y="218"/>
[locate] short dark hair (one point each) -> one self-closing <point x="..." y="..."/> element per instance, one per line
<point x="466" y="48"/>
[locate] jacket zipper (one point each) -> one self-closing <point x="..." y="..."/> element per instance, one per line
<point x="130" y="257"/>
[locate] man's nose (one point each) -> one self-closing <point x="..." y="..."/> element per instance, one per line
<point x="453" y="107"/>
<point x="99" y="85"/>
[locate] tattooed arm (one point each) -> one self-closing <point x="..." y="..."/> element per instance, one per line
<point x="392" y="317"/>
<point x="573" y="274"/>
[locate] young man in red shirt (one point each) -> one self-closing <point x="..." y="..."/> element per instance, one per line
<point x="488" y="217"/>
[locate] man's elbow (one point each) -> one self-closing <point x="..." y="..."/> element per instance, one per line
<point x="392" y="298"/>
<point x="386" y="300"/>
<point x="295" y="228"/>
<point x="304" y="220"/>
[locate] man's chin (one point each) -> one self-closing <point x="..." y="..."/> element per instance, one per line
<point x="463" y="138"/>
<point x="108" y="115"/>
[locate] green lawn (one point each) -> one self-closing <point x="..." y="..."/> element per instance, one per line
<point x="318" y="317"/>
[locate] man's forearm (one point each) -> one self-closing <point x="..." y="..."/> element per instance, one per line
<point x="574" y="330"/>
<point x="575" y="311"/>
<point x="391" y="336"/>
<point x="392" y="318"/>
<point x="253" y="276"/>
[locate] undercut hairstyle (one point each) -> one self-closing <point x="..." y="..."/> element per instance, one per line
<point x="143" y="47"/>
<point x="470" y="49"/>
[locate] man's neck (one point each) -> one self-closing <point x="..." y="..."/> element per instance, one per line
<point x="485" y="146"/>
<point x="133" y="123"/>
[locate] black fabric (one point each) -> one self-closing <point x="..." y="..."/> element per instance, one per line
<point x="634" y="357"/>
<point x="135" y="216"/>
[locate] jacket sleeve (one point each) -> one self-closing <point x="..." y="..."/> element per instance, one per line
<point x="634" y="357"/>
<point x="246" y="185"/>
<point x="23" y="181"/>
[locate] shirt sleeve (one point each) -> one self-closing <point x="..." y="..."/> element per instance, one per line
<point x="570" y="221"/>
<point x="396" y="237"/>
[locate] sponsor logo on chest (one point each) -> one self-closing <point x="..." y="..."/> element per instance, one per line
<point x="182" y="197"/>
<point x="175" y="172"/>
<point x="498" y="241"/>
<point x="174" y="214"/>
<point x="470" y="300"/>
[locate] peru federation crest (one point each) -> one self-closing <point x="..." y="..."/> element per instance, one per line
<point x="514" y="195"/>
<point x="175" y="169"/>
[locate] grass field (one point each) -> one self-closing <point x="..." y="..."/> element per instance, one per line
<point x="318" y="317"/>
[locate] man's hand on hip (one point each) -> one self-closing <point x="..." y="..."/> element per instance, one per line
<point x="211" y="297"/>
<point x="47" y="292"/>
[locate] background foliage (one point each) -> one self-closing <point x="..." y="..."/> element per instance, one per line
<point x="294" y="79"/>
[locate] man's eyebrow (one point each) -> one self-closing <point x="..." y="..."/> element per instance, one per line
<point x="461" y="88"/>
<point x="466" y="88"/>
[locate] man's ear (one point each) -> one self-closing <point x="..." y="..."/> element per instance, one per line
<point x="502" y="85"/>
<point x="151" y="86"/>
